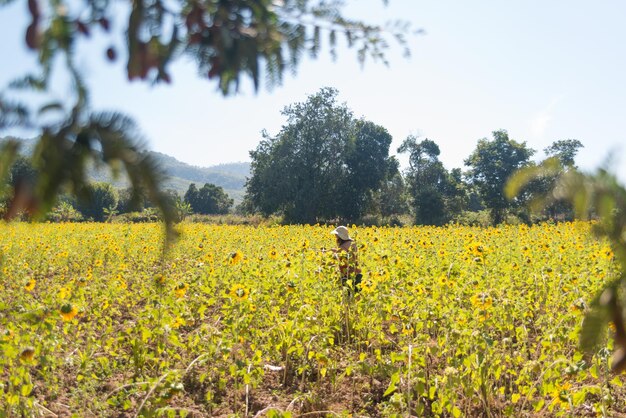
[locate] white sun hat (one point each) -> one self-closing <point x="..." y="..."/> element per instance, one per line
<point x="342" y="232"/>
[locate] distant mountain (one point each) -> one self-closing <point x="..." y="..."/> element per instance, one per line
<point x="231" y="177"/>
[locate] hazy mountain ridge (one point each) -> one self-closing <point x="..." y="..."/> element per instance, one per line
<point x="230" y="176"/>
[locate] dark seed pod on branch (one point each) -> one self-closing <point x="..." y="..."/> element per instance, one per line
<point x="32" y="35"/>
<point x="111" y="54"/>
<point x="82" y="28"/>
<point x="104" y="23"/>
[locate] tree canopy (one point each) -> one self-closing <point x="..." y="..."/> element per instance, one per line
<point x="427" y="180"/>
<point x="491" y="164"/>
<point x="564" y="150"/>
<point x="208" y="200"/>
<point x="322" y="165"/>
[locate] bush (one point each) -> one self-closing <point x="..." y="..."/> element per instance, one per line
<point x="479" y="218"/>
<point x="146" y="215"/>
<point x="98" y="198"/>
<point x="64" y="212"/>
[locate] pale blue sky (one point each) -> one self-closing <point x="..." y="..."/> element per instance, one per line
<point x="543" y="70"/>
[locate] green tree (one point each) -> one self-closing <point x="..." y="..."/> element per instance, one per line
<point x="97" y="201"/>
<point x="491" y="165"/>
<point x="64" y="212"/>
<point x="391" y="198"/>
<point x="428" y="181"/>
<point x="228" y="40"/>
<point x="208" y="200"/>
<point x="184" y="209"/>
<point x="368" y="165"/>
<point x="456" y="193"/>
<point x="126" y="204"/>
<point x="323" y="164"/>
<point x="565" y="151"/>
<point x="19" y="179"/>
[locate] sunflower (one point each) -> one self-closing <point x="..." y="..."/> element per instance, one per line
<point x="235" y="257"/>
<point x="181" y="289"/>
<point x="27" y="354"/>
<point x="159" y="279"/>
<point x="178" y="322"/>
<point x="64" y="292"/>
<point x="368" y="284"/>
<point x="6" y="335"/>
<point x="482" y="300"/>
<point x="30" y="285"/>
<point x="68" y="312"/>
<point x="239" y="292"/>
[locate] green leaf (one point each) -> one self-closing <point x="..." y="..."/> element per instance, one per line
<point x="617" y="381"/>
<point x="579" y="397"/>
<point x="456" y="412"/>
<point x="26" y="390"/>
<point x="395" y="378"/>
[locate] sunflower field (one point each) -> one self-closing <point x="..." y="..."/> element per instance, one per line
<point x="96" y="321"/>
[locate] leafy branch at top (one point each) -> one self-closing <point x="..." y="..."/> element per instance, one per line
<point x="227" y="39"/>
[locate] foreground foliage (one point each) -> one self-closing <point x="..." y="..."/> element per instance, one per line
<point x="241" y="320"/>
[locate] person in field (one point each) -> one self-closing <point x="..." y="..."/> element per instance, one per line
<point x="347" y="260"/>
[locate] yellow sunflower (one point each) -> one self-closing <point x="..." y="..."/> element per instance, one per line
<point x="235" y="257"/>
<point x="181" y="289"/>
<point x="27" y="354"/>
<point x="68" y="312"/>
<point x="30" y="285"/>
<point x="239" y="292"/>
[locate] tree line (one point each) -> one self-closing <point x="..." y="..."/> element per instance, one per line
<point x="101" y="201"/>
<point x="326" y="165"/>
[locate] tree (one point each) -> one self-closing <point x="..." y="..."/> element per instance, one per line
<point x="391" y="198"/>
<point x="368" y="165"/>
<point x="323" y="164"/>
<point x="565" y="151"/>
<point x="97" y="200"/>
<point x="491" y="164"/>
<point x="126" y="204"/>
<point x="428" y="181"/>
<point x="209" y="200"/>
<point x="19" y="176"/>
<point x="226" y="39"/>
<point x="456" y="193"/>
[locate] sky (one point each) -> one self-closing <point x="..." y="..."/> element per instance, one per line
<point x="544" y="71"/>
